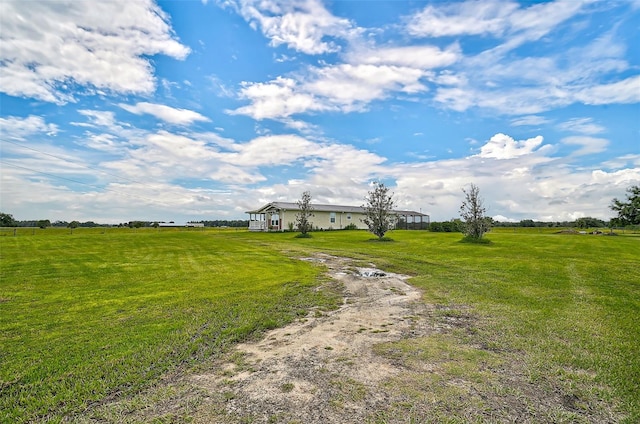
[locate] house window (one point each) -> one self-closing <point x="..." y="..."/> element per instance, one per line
<point x="274" y="220"/>
<point x="348" y="216"/>
<point x="332" y="217"/>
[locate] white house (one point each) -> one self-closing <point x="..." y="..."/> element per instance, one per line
<point x="280" y="216"/>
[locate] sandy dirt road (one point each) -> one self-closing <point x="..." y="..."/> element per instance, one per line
<point x="322" y="369"/>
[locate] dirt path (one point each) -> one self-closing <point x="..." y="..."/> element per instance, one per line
<point x="321" y="369"/>
<point x="325" y="369"/>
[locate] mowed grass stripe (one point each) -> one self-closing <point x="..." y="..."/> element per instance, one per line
<point x="109" y="313"/>
<point x="88" y="316"/>
<point x="568" y="303"/>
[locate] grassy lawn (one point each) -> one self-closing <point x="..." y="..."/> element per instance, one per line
<point x="91" y="316"/>
<point x="566" y="307"/>
<point x="86" y="317"/>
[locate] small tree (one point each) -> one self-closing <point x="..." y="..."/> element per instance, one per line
<point x="305" y="212"/>
<point x="472" y="212"/>
<point x="378" y="210"/>
<point x="629" y="211"/>
<point x="6" y="220"/>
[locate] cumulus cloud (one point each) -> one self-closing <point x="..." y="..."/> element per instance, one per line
<point x="271" y="150"/>
<point x="348" y="85"/>
<point x="236" y="176"/>
<point x="342" y="87"/>
<point x="279" y="98"/>
<point x="493" y="80"/>
<point x="166" y="113"/>
<point x="501" y="146"/>
<point x="303" y="25"/>
<point x="18" y="128"/>
<point x="48" y="48"/>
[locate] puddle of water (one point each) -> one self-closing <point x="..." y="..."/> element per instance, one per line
<point x="371" y="273"/>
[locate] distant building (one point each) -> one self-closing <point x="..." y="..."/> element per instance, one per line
<point x="181" y="224"/>
<point x="280" y="216"/>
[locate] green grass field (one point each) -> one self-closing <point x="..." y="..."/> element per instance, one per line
<point x="96" y="315"/>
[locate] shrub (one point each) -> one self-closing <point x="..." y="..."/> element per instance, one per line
<point x="473" y="239"/>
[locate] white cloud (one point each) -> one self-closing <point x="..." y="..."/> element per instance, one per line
<point x="622" y="161"/>
<point x="501" y="146"/>
<point x="589" y="145"/>
<point x="497" y="18"/>
<point x="499" y="78"/>
<point x="462" y="18"/>
<point x="49" y="48"/>
<point x="350" y="86"/>
<point x="99" y="118"/>
<point x="271" y="151"/>
<point x="220" y="88"/>
<point x="506" y="84"/>
<point x="531" y="120"/>
<point x="420" y="57"/>
<point x="624" y="91"/>
<point x="103" y="142"/>
<point x="534" y="186"/>
<point x="502" y="218"/>
<point x="581" y="125"/>
<point x="342" y="87"/>
<point x="302" y="25"/>
<point x="165" y="113"/>
<point x="18" y="128"/>
<point x="534" y="22"/>
<point x="455" y="98"/>
<point x="518" y="179"/>
<point x="279" y="98"/>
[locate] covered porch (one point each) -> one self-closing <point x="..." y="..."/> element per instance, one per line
<point x="267" y="218"/>
<point x="411" y="220"/>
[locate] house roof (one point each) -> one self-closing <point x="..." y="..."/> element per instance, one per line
<point x="325" y="208"/>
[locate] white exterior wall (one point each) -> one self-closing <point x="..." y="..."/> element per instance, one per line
<point x="322" y="220"/>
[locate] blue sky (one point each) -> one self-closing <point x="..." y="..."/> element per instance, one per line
<point x="190" y="110"/>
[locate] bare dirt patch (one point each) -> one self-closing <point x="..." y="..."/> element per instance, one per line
<point x="322" y="369"/>
<point x="384" y="356"/>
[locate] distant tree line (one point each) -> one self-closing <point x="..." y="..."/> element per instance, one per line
<point x="7" y="220"/>
<point x="457" y="226"/>
<point x="235" y="223"/>
<point x="451" y="226"/>
<point x="586" y="222"/>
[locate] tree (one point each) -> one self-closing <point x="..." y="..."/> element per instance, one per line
<point x="472" y="212"/>
<point x="44" y="223"/>
<point x="6" y="220"/>
<point x="378" y="210"/>
<point x="629" y="211"/>
<point x="589" y="222"/>
<point x="305" y="212"/>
